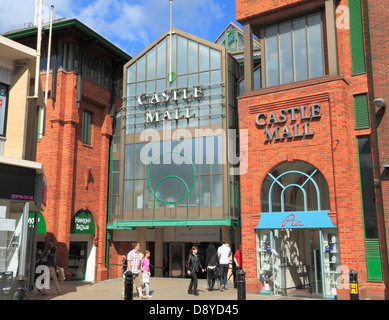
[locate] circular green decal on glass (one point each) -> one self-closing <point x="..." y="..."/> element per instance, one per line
<point x="172" y="75"/>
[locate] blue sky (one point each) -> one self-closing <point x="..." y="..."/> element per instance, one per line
<point x="130" y="24"/>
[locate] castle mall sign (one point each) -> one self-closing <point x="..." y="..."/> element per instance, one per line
<point x="296" y="130"/>
<point x="165" y="97"/>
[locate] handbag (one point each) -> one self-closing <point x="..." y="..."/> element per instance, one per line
<point x="61" y="274"/>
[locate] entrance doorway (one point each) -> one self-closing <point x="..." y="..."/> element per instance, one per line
<point x="177" y="260"/>
<point x="298" y="262"/>
<point x="78" y="259"/>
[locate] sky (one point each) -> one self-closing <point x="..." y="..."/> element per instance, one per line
<point x="129" y="24"/>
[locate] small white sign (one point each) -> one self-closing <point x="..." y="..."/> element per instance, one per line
<point x="7" y="225"/>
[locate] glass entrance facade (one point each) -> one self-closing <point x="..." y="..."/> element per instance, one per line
<point x="171" y="141"/>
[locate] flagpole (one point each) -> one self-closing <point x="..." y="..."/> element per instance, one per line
<point x="171" y="40"/>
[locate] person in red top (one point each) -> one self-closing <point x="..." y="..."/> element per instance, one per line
<point x="238" y="257"/>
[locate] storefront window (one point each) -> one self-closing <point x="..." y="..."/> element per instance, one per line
<point x="3" y="108"/>
<point x="11" y="242"/>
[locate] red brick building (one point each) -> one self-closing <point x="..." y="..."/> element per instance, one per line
<point x="85" y="87"/>
<point x="311" y="208"/>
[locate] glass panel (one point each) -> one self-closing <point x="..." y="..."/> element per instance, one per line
<point x="194" y="195"/>
<point x="206" y="154"/>
<point x="150" y="87"/>
<point x="140" y="88"/>
<point x="182" y="55"/>
<point x="300" y="50"/>
<point x="149" y="199"/>
<point x="204" y="80"/>
<point x="138" y="194"/>
<point x="139" y="168"/>
<point x="215" y="77"/>
<point x="161" y="59"/>
<point x="272" y="77"/>
<point x="151" y="56"/>
<point x="182" y="83"/>
<point x="231" y="41"/>
<point x="315" y="49"/>
<point x="240" y="44"/>
<point x="128" y="193"/>
<point x="215" y="59"/>
<point x="241" y="86"/>
<point x="193" y="80"/>
<point x="141" y="69"/>
<point x="193" y="65"/>
<point x="131" y="90"/>
<point x="11" y="243"/>
<point x="204" y="57"/>
<point x="286" y="63"/>
<point x="161" y="85"/>
<point x="129" y="162"/>
<point x="257" y="81"/>
<point x="217" y="154"/>
<point x="205" y="191"/>
<point x="217" y="191"/>
<point x="331" y="261"/>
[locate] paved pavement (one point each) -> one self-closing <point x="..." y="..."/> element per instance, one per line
<point x="161" y="289"/>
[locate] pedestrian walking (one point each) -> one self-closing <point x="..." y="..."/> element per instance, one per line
<point x="238" y="258"/>
<point x="194" y="266"/>
<point x="211" y="262"/>
<point x="52" y="264"/>
<point x="145" y="268"/>
<point x="223" y="253"/>
<point x="133" y="261"/>
<point x="124" y="269"/>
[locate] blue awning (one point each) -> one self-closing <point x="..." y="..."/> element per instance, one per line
<point x="295" y="219"/>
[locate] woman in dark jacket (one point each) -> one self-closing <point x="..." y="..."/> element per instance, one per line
<point x="194" y="266"/>
<point x="211" y="265"/>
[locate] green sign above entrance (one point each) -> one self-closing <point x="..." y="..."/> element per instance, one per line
<point x="82" y="223"/>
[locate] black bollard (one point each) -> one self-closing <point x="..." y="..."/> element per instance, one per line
<point x="354" y="292"/>
<point x="128" y="286"/>
<point x="20" y="292"/>
<point x="241" y="285"/>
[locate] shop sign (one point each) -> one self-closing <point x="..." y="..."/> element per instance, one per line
<point x="41" y="222"/>
<point x="83" y="223"/>
<point x="288" y="131"/>
<point x="17" y="183"/>
<point x="295" y="219"/>
<point x="166" y="96"/>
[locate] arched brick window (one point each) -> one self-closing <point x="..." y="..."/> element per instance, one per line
<point x="296" y="186"/>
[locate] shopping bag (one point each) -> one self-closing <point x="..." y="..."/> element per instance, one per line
<point x="61" y="274"/>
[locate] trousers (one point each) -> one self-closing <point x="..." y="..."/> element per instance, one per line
<point x="223" y="274"/>
<point x="193" y="282"/>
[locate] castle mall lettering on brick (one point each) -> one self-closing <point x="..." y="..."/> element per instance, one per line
<point x="295" y="130"/>
<point x="170" y="95"/>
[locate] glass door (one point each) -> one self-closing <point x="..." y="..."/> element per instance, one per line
<point x="316" y="262"/>
<point x="177" y="260"/>
<point x="77" y="260"/>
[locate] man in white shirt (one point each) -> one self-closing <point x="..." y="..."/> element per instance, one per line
<point x="223" y="253"/>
